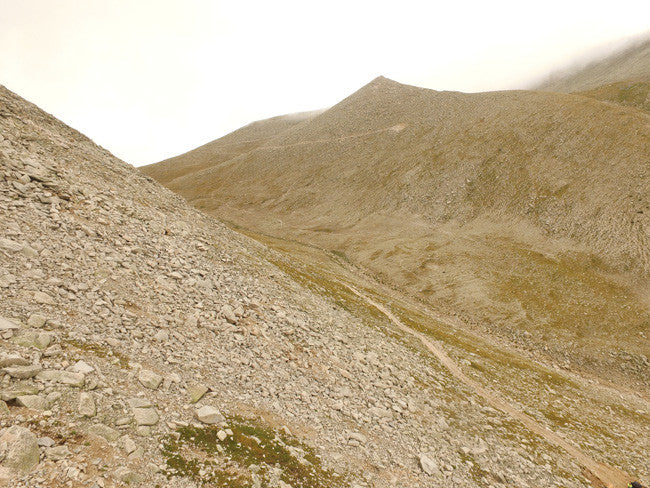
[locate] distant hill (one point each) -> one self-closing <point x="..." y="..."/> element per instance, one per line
<point x="228" y="146"/>
<point x="632" y="64"/>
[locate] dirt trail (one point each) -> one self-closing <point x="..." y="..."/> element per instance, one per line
<point x="394" y="128"/>
<point x="601" y="475"/>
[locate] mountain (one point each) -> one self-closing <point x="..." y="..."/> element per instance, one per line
<point x="632" y="64"/>
<point x="525" y="214"/>
<point x="143" y="343"/>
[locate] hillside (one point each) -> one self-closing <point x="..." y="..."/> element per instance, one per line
<point x="145" y="344"/>
<point x="629" y="93"/>
<point x="242" y="140"/>
<point x="525" y="214"/>
<point x="632" y="64"/>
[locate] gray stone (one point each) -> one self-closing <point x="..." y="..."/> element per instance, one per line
<point x="87" y="407"/>
<point x="128" y="444"/>
<point x="18" y="390"/>
<point x="101" y="430"/>
<point x="57" y="453"/>
<point x="10" y="245"/>
<point x="33" y="338"/>
<point x="36" y="321"/>
<point x="196" y="392"/>
<point x="81" y="367"/>
<point x="149" y="379"/>
<point x="209" y="415"/>
<point x="428" y="465"/>
<point x="4" y="409"/>
<point x="13" y="360"/>
<point x="35" y="402"/>
<point x="29" y="252"/>
<point x="125" y="475"/>
<point x="161" y="336"/>
<point x="23" y="372"/>
<point x="145" y="416"/>
<point x="43" y="298"/>
<point x="21" y="452"/>
<point x="229" y="314"/>
<point x="137" y="402"/>
<point x="46" y="442"/>
<point x="63" y="377"/>
<point x="6" y="324"/>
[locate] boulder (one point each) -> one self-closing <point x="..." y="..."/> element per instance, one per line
<point x="63" y="377"/>
<point x="6" y="324"/>
<point x="36" y="321"/>
<point x="13" y="360"/>
<point x="149" y="379"/>
<point x="23" y="372"/>
<point x="145" y="416"/>
<point x="33" y="338"/>
<point x="101" y="430"/>
<point x="209" y="415"/>
<point x="35" y="402"/>
<point x="87" y="407"/>
<point x="21" y="451"/>
<point x="428" y="465"/>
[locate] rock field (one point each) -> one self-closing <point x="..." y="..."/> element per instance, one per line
<point x="143" y="343"/>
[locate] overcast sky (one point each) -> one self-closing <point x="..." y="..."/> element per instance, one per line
<point x="149" y="79"/>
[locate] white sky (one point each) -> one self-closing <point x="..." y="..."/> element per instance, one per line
<point x="149" y="79"/>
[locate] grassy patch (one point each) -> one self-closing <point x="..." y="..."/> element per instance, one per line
<point x="99" y="351"/>
<point x="197" y="453"/>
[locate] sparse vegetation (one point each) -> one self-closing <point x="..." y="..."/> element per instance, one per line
<point x="198" y="453"/>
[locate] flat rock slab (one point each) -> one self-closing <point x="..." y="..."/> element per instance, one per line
<point x="81" y="367"/>
<point x="428" y="465"/>
<point x="35" y="402"/>
<point x="196" y="392"/>
<point x="87" y="407"/>
<point x="18" y="390"/>
<point x="23" y="372"/>
<point x="6" y="324"/>
<point x="7" y="360"/>
<point x="101" y="430"/>
<point x="138" y="402"/>
<point x="57" y="453"/>
<point x="22" y="452"/>
<point x="10" y="245"/>
<point x="63" y="377"/>
<point x="36" y="321"/>
<point x="33" y="338"/>
<point x="145" y="416"/>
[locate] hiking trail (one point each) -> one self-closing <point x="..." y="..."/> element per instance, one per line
<point x="601" y="475"/>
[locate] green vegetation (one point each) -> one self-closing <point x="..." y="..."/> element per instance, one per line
<point x="99" y="350"/>
<point x="570" y="298"/>
<point x="198" y="454"/>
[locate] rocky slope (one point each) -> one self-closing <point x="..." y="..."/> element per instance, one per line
<point x="144" y="343"/>
<point x="242" y="140"/>
<point x="524" y="213"/>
